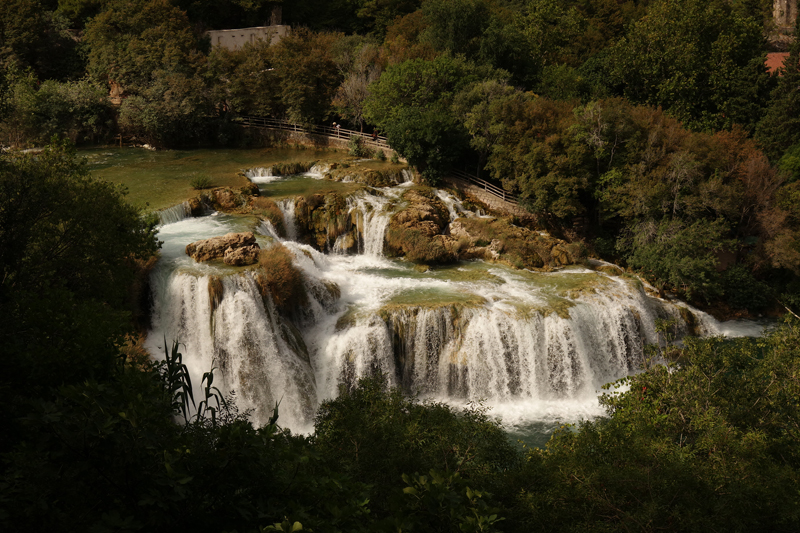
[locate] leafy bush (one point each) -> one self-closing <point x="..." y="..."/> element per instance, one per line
<point x="357" y="147"/>
<point x="395" y="158"/>
<point x="379" y="154"/>
<point x="743" y="291"/>
<point x="707" y="444"/>
<point x="199" y="182"/>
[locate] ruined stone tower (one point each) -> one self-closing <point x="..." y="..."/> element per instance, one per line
<point x="784" y="13"/>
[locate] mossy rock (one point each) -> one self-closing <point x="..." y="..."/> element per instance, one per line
<point x="415" y="231"/>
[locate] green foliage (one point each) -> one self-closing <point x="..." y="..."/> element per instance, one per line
<point x="357" y="146"/>
<point x="743" y="291"/>
<point x="701" y="61"/>
<point x="779" y="129"/>
<point x="202" y="181"/>
<point x="707" y="444"/>
<point x="375" y="434"/>
<point x="147" y="50"/>
<point x="34" y="36"/>
<point x="177" y="381"/>
<point x="67" y="249"/>
<point x="790" y="163"/>
<point x="444" y="501"/>
<point x="412" y="103"/>
<point x="682" y="256"/>
<point x="307" y="75"/>
<point x="34" y="112"/>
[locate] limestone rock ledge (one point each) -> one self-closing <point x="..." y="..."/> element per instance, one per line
<point x="235" y="249"/>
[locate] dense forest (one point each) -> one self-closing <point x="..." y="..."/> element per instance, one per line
<point x="648" y="129"/>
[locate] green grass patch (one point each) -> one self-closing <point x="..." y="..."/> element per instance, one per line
<point x="303" y="186"/>
<point x="160" y="179"/>
<point x="433" y="298"/>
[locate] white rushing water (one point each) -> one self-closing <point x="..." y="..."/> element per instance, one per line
<point x="173" y="214"/>
<point x="534" y="347"/>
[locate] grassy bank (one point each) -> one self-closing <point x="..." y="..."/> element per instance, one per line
<point x="160" y="179"/>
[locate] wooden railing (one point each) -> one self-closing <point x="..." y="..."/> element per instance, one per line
<point x="327" y="131"/>
<point x="486" y="186"/>
<point x="345" y="134"/>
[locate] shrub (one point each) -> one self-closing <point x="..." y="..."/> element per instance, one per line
<point x="199" y="182"/>
<point x="356" y="146"/>
<point x="395" y="158"/>
<point x="380" y="155"/>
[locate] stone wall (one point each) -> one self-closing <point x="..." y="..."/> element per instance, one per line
<point x="237" y="38"/>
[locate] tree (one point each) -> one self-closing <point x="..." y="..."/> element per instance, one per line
<point x="33" y="36"/>
<point x="307" y="75"/>
<point x="69" y="246"/>
<point x="148" y="49"/>
<point x="779" y="129"/>
<point x="412" y="102"/>
<point x="455" y="26"/>
<point x="701" y="61"/>
<point x="704" y="444"/>
<point x="246" y="79"/>
<point x="359" y="71"/>
<point x="481" y="107"/>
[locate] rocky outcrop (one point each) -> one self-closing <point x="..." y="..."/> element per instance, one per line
<point x="322" y="218"/>
<point x="235" y="249"/>
<point x="417" y="231"/>
<point x="363" y="174"/>
<point x="495" y="239"/>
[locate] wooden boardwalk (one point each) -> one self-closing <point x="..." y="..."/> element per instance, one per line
<point x="488" y="193"/>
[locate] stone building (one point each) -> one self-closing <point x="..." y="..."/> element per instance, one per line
<point x="237" y="38"/>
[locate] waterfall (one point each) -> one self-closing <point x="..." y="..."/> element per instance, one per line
<point x="372" y="218"/>
<point x="287" y="207"/>
<point x="261" y="175"/>
<point x="255" y="353"/>
<point x="318" y="170"/>
<point x="531" y="341"/>
<point x="266" y="228"/>
<point x="497" y="351"/>
<point x="173" y="214"/>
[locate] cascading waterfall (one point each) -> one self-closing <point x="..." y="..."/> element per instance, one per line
<point x="242" y="336"/>
<point x="261" y="175"/>
<point x="287" y="207"/>
<point x="266" y="228"/>
<point x="173" y="214"/>
<point x="373" y="217"/>
<point x="472" y="331"/>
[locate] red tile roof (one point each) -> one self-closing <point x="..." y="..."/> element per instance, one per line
<point x="775" y="61"/>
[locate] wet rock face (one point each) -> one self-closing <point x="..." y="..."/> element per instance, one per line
<point x="321" y="218"/>
<point x="416" y="231"/>
<point x="235" y="249"/>
<point x="497" y="240"/>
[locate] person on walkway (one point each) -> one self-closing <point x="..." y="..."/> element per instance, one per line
<point x="374" y="135"/>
